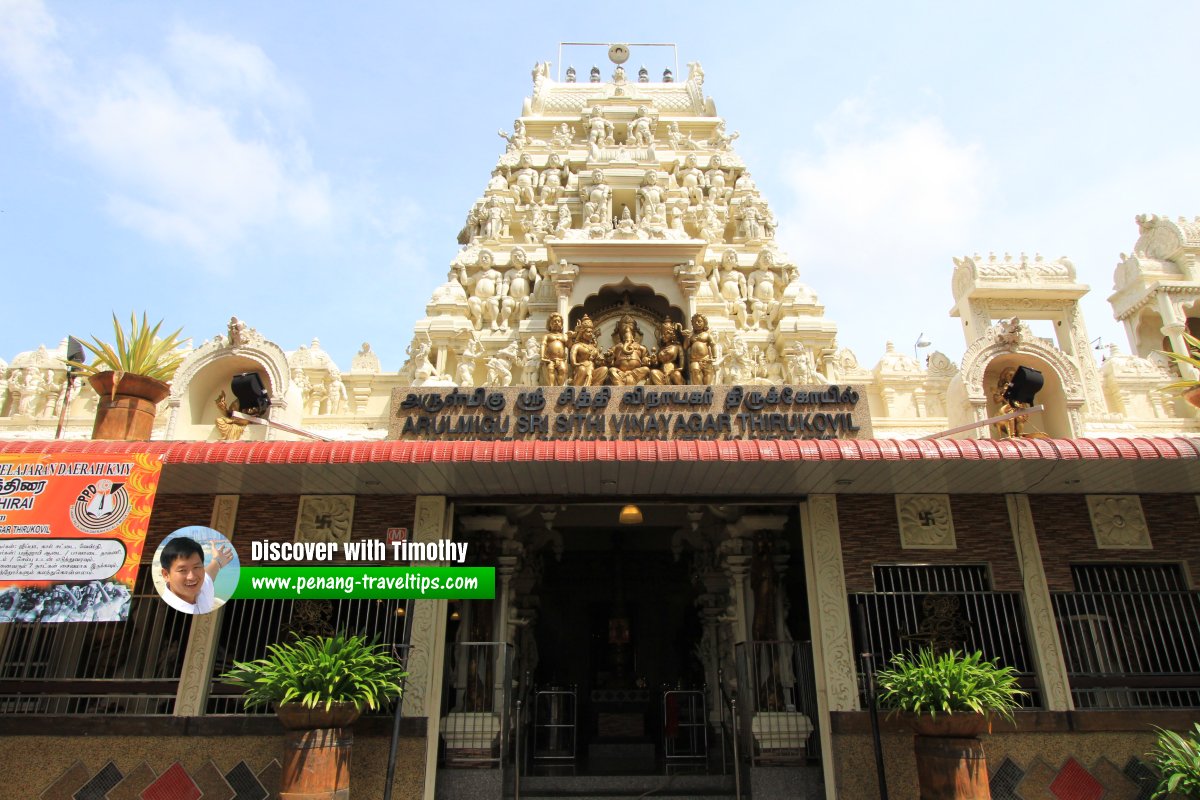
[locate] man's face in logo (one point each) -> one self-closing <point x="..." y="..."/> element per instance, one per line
<point x="185" y="578"/>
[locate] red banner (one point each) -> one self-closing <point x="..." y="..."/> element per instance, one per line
<point x="71" y="535"/>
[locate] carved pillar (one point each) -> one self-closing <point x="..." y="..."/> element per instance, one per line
<point x="1039" y="613"/>
<point x="427" y="641"/>
<point x="689" y="276"/>
<point x="1079" y="345"/>
<point x="829" y="616"/>
<point x="564" y="275"/>
<point x="195" y="676"/>
<point x="1174" y="332"/>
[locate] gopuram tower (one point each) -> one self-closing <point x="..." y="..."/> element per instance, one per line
<point x="620" y="240"/>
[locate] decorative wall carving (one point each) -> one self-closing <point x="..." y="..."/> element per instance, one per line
<point x="1118" y="521"/>
<point x="925" y="522"/>
<point x="325" y="518"/>
<point x="824" y="561"/>
<point x="427" y="527"/>
<point x="1039" y="614"/>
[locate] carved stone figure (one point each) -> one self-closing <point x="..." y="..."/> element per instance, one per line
<point x="301" y="382"/>
<point x="472" y="352"/>
<point x="710" y="223"/>
<point x="497" y="183"/>
<point x="772" y="369"/>
<point x="701" y="352"/>
<point x="563" y="136"/>
<point x="587" y="362"/>
<point x="597" y="202"/>
<point x="554" y="352"/>
<point x="31" y="387"/>
<point x="553" y="180"/>
<point x="745" y="183"/>
<point x="317" y="396"/>
<point x="677" y="140"/>
<point x="722" y="140"/>
<point x="520" y="282"/>
<point x="651" y="199"/>
<point x="483" y="288"/>
<point x="339" y="398"/>
<point x="562" y="222"/>
<point x="600" y="130"/>
<point x="516" y="140"/>
<point x="737" y="366"/>
<point x="641" y="129"/>
<point x="499" y="366"/>
<point x="765" y="285"/>
<point x="729" y="284"/>
<point x="668" y="369"/>
<point x="629" y="359"/>
<point x="717" y="182"/>
<point x="365" y="360"/>
<point x="750" y="221"/>
<point x="691" y="179"/>
<point x="626" y="228"/>
<point x="532" y="365"/>
<point x="493" y="212"/>
<point x="524" y="180"/>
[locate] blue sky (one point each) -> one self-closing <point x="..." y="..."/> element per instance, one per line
<point x="307" y="166"/>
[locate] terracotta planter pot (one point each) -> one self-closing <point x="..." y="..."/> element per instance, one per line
<point x="951" y="764"/>
<point x="1193" y="396"/>
<point x="128" y="417"/>
<point x="316" y="751"/>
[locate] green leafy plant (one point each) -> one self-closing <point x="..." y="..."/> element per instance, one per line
<point x="1177" y="757"/>
<point x="933" y="684"/>
<point x="1192" y="357"/>
<point x="318" y="671"/>
<point x="139" y="351"/>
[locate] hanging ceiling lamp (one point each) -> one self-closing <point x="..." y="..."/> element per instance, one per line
<point x="631" y="515"/>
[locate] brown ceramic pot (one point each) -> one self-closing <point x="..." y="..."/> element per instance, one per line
<point x="128" y="416"/>
<point x="316" y="751"/>
<point x="951" y="764"/>
<point x="1193" y="396"/>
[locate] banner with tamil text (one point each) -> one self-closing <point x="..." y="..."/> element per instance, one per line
<point x="72" y="529"/>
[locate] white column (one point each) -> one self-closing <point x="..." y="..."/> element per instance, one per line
<point x="195" y="676"/>
<point x="829" y="616"/>
<point x="1039" y="613"/>
<point x="427" y="640"/>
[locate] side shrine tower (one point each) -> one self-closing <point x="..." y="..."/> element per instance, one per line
<point x="620" y="240"/>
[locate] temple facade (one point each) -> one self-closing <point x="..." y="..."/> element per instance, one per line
<point x="702" y="509"/>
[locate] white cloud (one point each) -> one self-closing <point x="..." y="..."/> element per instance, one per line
<point x="190" y="156"/>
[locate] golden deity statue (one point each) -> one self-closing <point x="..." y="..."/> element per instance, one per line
<point x="586" y="358"/>
<point x="554" y="352"/>
<point x="701" y="352"/>
<point x="668" y="356"/>
<point x="629" y="358"/>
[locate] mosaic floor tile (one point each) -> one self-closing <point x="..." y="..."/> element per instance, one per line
<point x="174" y="784"/>
<point x="1140" y="773"/>
<point x="68" y="784"/>
<point x="268" y="776"/>
<point x="1036" y="783"/>
<point x="97" y="788"/>
<point x="1005" y="779"/>
<point x="133" y="784"/>
<point x="244" y="783"/>
<point x="1116" y="783"/>
<point x="212" y="783"/>
<point x="1076" y="783"/>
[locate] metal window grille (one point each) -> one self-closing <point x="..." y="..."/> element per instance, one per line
<point x="118" y="668"/>
<point x="1131" y="636"/>
<point x="249" y="626"/>
<point x="946" y="606"/>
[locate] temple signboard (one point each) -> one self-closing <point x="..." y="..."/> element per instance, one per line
<point x="628" y="413"/>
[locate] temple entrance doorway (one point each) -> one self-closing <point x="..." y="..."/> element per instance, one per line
<point x="618" y="629"/>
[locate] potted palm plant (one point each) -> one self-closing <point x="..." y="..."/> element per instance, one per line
<point x="1189" y="387"/>
<point x="951" y="698"/>
<point x="1177" y="757"/>
<point x="130" y="375"/>
<point x="319" y="686"/>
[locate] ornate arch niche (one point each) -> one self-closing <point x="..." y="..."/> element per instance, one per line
<point x="613" y="301"/>
<point x="1010" y="344"/>
<point x="209" y="369"/>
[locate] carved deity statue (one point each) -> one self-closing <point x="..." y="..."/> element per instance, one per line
<point x="750" y="221"/>
<point x="472" y="351"/>
<point x="339" y="398"/>
<point x="554" y="352"/>
<point x="701" y="352"/>
<point x="562" y="221"/>
<point x="497" y="182"/>
<point x="641" y="129"/>
<point x="629" y="359"/>
<point x="710" y="222"/>
<point x="520" y="282"/>
<point x="532" y="365"/>
<point x="597" y="201"/>
<point x="553" y="181"/>
<point x="737" y="365"/>
<point x="483" y="289"/>
<point x="499" y="366"/>
<point x="691" y="179"/>
<point x="600" y="130"/>
<point x="718" y="182"/>
<point x="493" y="219"/>
<point x="517" y="139"/>
<point x="651" y="198"/>
<point x="729" y="284"/>
<point x="722" y="140"/>
<point x="668" y="369"/>
<point x="766" y="285"/>
<point x="587" y="362"/>
<point x="524" y="180"/>
<point x="677" y="140"/>
<point x="563" y="136"/>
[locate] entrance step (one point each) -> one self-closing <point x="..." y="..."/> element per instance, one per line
<point x="603" y="787"/>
